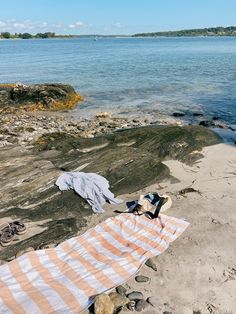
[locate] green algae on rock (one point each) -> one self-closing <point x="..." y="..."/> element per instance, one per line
<point x="130" y="159"/>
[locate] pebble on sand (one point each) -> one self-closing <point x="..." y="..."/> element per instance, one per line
<point x="150" y="263"/>
<point x="141" y="305"/>
<point x="141" y="278"/>
<point x="135" y="295"/>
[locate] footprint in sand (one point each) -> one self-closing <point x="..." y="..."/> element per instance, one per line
<point x="230" y="273"/>
<point x="211" y="308"/>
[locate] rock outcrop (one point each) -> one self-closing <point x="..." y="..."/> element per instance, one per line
<point x="38" y="97"/>
<point x="130" y="159"/>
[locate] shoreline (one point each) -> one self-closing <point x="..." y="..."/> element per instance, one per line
<point x="27" y="127"/>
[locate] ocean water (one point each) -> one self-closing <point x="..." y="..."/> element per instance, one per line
<point x="151" y="76"/>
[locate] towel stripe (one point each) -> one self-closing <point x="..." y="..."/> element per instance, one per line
<point x="149" y="227"/>
<point x="65" y="279"/>
<point x="4" y="308"/>
<point x="103" y="279"/>
<point x="9" y="299"/>
<point x="37" y="281"/>
<point x="25" y="284"/>
<point x="52" y="281"/>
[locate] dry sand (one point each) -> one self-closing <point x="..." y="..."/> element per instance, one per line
<point x="198" y="271"/>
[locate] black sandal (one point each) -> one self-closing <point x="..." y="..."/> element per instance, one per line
<point x="18" y="226"/>
<point x="7" y="236"/>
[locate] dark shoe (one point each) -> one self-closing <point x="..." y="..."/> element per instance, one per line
<point x="18" y="226"/>
<point x="7" y="235"/>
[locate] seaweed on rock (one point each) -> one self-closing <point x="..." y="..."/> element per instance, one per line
<point x="130" y="159"/>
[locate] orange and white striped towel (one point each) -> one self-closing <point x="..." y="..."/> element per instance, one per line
<point x="65" y="279"/>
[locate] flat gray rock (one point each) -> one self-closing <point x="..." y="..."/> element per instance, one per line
<point x="141" y="305"/>
<point x="135" y="295"/>
<point x="141" y="278"/>
<point x="121" y="290"/>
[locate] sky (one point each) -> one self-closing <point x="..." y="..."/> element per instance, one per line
<point x="113" y="16"/>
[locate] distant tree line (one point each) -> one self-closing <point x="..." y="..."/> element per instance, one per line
<point x="211" y="31"/>
<point x="7" y="35"/>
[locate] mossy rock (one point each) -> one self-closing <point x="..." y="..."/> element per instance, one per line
<point x="38" y="97"/>
<point x="130" y="159"/>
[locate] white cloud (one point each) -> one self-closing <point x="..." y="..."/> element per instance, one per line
<point x="13" y="25"/>
<point x="20" y="25"/>
<point x="76" y="25"/>
<point x="33" y="27"/>
<point x="58" y="25"/>
<point x="117" y="24"/>
<point x="79" y="23"/>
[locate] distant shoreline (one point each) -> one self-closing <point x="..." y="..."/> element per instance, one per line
<point x="119" y="37"/>
<point x="202" y="32"/>
<point x="229" y="31"/>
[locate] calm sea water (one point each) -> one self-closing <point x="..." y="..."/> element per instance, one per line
<point x="132" y="75"/>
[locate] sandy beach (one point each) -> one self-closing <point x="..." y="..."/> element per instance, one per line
<point x="198" y="271"/>
<point x="118" y="157"/>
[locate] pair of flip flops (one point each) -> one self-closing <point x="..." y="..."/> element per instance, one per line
<point x="8" y="231"/>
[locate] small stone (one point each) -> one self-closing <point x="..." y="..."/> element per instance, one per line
<point x="104" y="114"/>
<point x="135" y="295"/>
<point x="151" y="264"/>
<point x="178" y="114"/>
<point x="207" y="123"/>
<point x="197" y="312"/>
<point x="103" y="305"/>
<point x="118" y="300"/>
<point x="131" y="306"/>
<point x="103" y="123"/>
<point x="141" y="278"/>
<point x="48" y="246"/>
<point x="141" y="305"/>
<point x="167" y="312"/>
<point x="197" y="114"/>
<point x="121" y="290"/>
<point x="153" y="301"/>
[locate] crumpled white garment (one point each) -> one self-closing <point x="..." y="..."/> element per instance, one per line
<point x="91" y="186"/>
